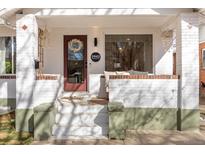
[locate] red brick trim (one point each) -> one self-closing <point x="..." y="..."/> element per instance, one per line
<point x="144" y="77"/>
<point x="7" y="76"/>
<point x="46" y="77"/>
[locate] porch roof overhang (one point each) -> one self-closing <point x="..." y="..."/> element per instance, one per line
<point x="115" y="21"/>
<point x="131" y="13"/>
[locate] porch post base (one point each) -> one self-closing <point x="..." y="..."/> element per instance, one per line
<point x="188" y="119"/>
<point x="24" y="120"/>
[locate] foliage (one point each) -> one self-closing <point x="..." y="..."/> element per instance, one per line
<point x="8" y="66"/>
<point x="8" y="134"/>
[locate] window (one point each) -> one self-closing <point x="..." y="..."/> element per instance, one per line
<point x="203" y="58"/>
<point x="128" y="52"/>
<point x="7" y="55"/>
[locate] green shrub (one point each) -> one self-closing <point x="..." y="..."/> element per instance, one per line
<point x="8" y="66"/>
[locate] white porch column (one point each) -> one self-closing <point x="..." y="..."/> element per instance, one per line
<point x="27" y="46"/>
<point x="187" y="44"/>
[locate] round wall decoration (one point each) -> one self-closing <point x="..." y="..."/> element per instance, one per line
<point x="95" y="56"/>
<point x="75" y="45"/>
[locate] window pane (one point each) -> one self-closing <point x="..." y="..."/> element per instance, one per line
<point x="75" y="61"/>
<point x="8" y="62"/>
<point x="128" y="52"/>
<point x="7" y="55"/>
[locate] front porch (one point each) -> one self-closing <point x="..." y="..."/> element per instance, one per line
<point x="158" y="88"/>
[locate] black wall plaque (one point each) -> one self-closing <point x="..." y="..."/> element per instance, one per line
<point x="95" y="56"/>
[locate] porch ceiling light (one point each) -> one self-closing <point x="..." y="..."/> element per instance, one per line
<point x="95" y="41"/>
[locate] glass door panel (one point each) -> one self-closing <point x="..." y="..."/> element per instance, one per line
<point x="75" y="60"/>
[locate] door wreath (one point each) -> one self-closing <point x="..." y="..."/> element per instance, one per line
<point x="75" y="45"/>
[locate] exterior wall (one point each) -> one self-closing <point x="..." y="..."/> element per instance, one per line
<point x="162" y="60"/>
<point x="150" y="102"/>
<point x="202" y="33"/>
<point x="144" y="93"/>
<point x="7" y="88"/>
<point x="187" y="59"/>
<point x="8" y="93"/>
<point x="45" y="91"/>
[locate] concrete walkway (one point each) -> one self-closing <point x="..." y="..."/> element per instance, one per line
<point x="141" y="138"/>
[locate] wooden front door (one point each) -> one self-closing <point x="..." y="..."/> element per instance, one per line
<point x="75" y="62"/>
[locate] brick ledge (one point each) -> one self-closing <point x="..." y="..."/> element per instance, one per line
<point x="8" y="76"/>
<point x="144" y="77"/>
<point x="46" y="77"/>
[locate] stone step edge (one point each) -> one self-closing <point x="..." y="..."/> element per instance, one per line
<point x="80" y="104"/>
<point x="57" y="124"/>
<point x="79" y="114"/>
<point x="88" y="111"/>
<point x="63" y="137"/>
<point x="65" y="126"/>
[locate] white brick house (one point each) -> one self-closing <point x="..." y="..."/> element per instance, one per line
<point x="38" y="67"/>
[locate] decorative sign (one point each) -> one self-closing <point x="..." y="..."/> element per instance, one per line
<point x="95" y="56"/>
<point x="24" y="27"/>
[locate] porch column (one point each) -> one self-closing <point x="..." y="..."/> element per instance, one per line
<point x="187" y="44"/>
<point x="27" y="46"/>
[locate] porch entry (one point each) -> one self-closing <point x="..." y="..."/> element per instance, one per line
<point x="75" y="62"/>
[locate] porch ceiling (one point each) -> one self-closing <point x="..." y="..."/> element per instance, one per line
<point x="139" y="21"/>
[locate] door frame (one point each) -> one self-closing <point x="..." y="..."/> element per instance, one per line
<point x="75" y="87"/>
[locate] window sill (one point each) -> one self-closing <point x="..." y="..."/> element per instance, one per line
<point x="7" y="76"/>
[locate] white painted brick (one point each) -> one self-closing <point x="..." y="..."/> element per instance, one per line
<point x="27" y="46"/>
<point x="7" y="88"/>
<point x="77" y="109"/>
<point x="147" y="93"/>
<point x="84" y="119"/>
<point x="188" y="59"/>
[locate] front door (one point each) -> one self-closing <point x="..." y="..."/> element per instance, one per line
<point x="75" y="62"/>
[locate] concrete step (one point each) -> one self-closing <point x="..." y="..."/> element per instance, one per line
<point x="202" y="119"/>
<point x="76" y="108"/>
<point x="202" y="109"/>
<point x="86" y="119"/>
<point x="76" y="94"/>
<point x="63" y="131"/>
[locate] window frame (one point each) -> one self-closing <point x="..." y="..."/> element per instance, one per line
<point x="12" y="55"/>
<point x="152" y="35"/>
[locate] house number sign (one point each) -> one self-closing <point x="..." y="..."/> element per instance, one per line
<point x="95" y="56"/>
